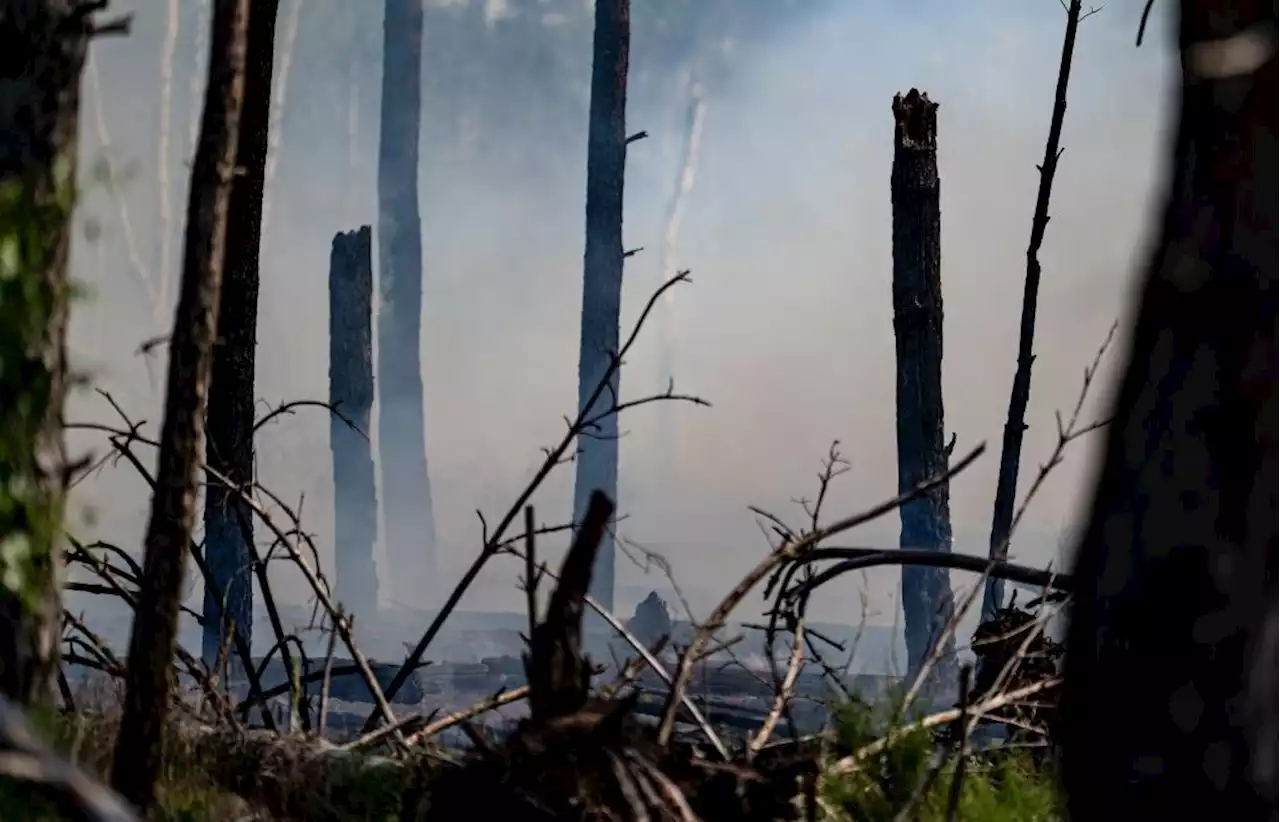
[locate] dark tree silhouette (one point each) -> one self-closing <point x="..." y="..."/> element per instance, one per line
<point x="148" y="674"/>
<point x="927" y="604"/>
<point x="597" y="457"/>
<point x="1015" y="424"/>
<point x="1169" y="703"/>
<point x="42" y="52"/>
<point x="355" y="501"/>
<point x="228" y="601"/>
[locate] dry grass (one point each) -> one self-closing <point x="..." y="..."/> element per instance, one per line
<point x="187" y="791"/>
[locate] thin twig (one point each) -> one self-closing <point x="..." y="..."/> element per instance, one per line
<point x="783" y="554"/>
<point x="495" y="542"/>
<point x="491" y="703"/>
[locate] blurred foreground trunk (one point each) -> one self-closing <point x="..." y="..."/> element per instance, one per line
<point x="1170" y="700"/>
<point x="43" y="45"/>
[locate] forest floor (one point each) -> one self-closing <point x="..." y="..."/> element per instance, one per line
<point x="904" y="780"/>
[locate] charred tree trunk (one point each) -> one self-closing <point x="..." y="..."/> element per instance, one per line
<point x="927" y="603"/>
<point x="228" y="532"/>
<point x="1015" y="423"/>
<point x="408" y="518"/>
<point x="597" y="455"/>
<point x="148" y="675"/>
<point x="42" y="52"/>
<point x="355" y="501"/>
<point x="1169" y="703"/>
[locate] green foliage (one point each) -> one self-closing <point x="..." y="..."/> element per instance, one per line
<point x="886" y="779"/>
<point x="905" y="774"/>
<point x="1011" y="788"/>
<point x="32" y="230"/>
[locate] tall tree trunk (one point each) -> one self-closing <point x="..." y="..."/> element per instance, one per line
<point x="42" y="52"/>
<point x="1169" y="702"/>
<point x="355" y="501"/>
<point x="228" y="601"/>
<point x="1015" y="423"/>
<point x="148" y="675"/>
<point x="597" y="456"/>
<point x="409" y="519"/>
<point x="927" y="603"/>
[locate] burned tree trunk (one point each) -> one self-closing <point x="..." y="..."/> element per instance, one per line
<point x="409" y="521"/>
<point x="597" y="455"/>
<point x="1169" y="703"/>
<point x="927" y="603"/>
<point x="1015" y="423"/>
<point x="228" y="599"/>
<point x="148" y="676"/>
<point x="42" y="52"/>
<point x="355" y="501"/>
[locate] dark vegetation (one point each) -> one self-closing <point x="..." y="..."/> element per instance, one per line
<point x="1158" y="717"/>
<point x="1183" y="521"/>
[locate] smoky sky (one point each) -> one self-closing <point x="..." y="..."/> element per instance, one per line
<point x="786" y="328"/>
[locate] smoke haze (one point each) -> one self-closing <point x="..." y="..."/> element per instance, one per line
<point x="787" y="327"/>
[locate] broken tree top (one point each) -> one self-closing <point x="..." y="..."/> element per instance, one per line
<point x="916" y="117"/>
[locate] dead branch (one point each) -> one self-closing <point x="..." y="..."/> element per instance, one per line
<point x="850" y="763"/>
<point x="559" y="678"/>
<point x="286" y="538"/>
<point x="444" y="723"/>
<point x="120" y="441"/>
<point x="649" y="658"/>
<point x="497" y="537"/>
<point x="291" y="407"/>
<point x="1020" y="394"/>
<point x="783" y="554"/>
<point x="857" y="559"/>
<point x="784" y="692"/>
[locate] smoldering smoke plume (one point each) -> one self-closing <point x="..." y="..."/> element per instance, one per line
<point x="668" y="434"/>
<point x="277" y="108"/>
<point x="122" y="204"/>
<point x="166" y="127"/>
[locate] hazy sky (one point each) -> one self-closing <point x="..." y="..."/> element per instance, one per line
<point x="786" y="330"/>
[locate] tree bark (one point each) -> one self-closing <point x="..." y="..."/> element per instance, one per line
<point x="228" y="601"/>
<point x="1166" y="701"/>
<point x="409" y="518"/>
<point x="148" y="675"/>
<point x="597" y="454"/>
<point x="927" y="604"/>
<point x="42" y="52"/>
<point x="1015" y="424"/>
<point x="355" y="500"/>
